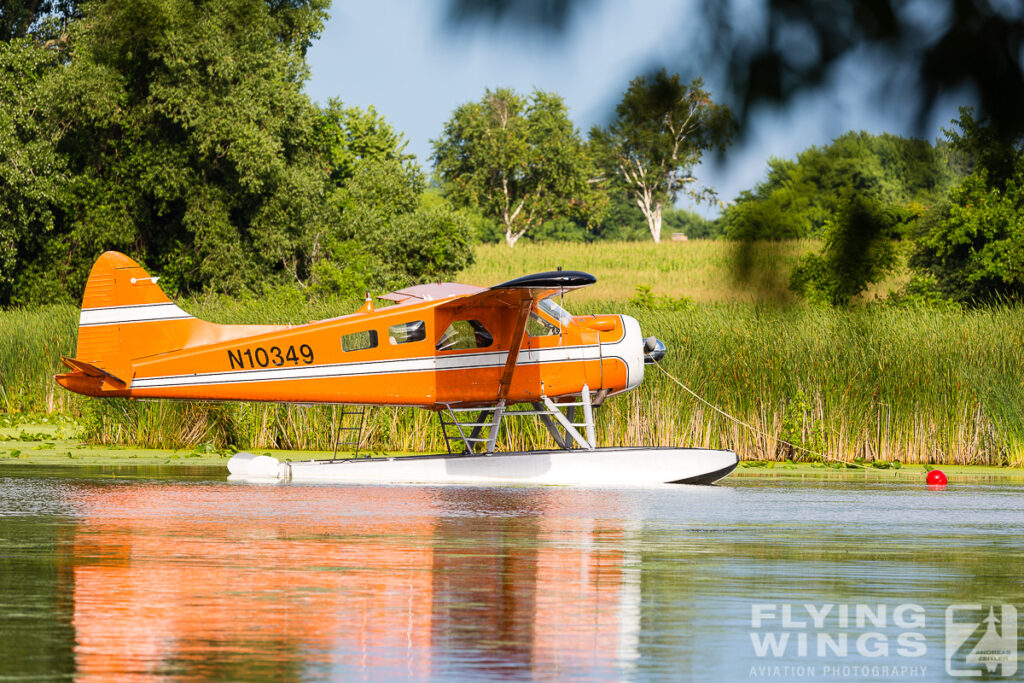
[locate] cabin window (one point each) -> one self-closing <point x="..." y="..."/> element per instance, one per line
<point x="358" y="341"/>
<point x="404" y="333"/>
<point x="465" y="334"/>
<point x="537" y="326"/>
<point x="549" y="306"/>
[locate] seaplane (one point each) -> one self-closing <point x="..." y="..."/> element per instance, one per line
<point x="474" y="356"/>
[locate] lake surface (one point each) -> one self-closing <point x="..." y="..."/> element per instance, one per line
<point x="191" y="577"/>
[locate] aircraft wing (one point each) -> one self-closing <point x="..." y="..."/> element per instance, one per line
<point x="518" y="297"/>
<point x="532" y="287"/>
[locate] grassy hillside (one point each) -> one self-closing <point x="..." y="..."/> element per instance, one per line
<point x="875" y="382"/>
<point x="703" y="270"/>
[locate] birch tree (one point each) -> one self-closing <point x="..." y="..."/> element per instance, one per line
<point x="660" y="132"/>
<point x="518" y="160"/>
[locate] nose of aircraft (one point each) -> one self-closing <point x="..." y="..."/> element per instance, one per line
<point x="654" y="350"/>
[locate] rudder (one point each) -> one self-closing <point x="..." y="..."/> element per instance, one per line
<point x="126" y="321"/>
<point x="120" y="292"/>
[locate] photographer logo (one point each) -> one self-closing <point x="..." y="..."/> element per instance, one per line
<point x="980" y="642"/>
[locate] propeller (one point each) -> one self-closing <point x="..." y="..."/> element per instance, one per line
<point x="654" y="350"/>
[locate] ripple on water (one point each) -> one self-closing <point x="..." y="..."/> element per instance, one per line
<point x="205" y="579"/>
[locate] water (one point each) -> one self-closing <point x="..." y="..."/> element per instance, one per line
<point x="190" y="578"/>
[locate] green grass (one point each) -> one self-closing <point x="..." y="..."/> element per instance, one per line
<point x="875" y="382"/>
<point x="917" y="385"/>
<point x="42" y="440"/>
<point x="31" y="343"/>
<point x="703" y="270"/>
<point x="46" y="442"/>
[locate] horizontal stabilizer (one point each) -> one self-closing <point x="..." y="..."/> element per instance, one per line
<point x="91" y="370"/>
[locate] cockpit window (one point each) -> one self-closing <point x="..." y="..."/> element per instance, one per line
<point x="537" y="326"/>
<point x="465" y="334"/>
<point x="554" y="310"/>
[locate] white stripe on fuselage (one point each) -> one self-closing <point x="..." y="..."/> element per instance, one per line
<point x="113" y="315"/>
<point x="122" y="315"/>
<point x="469" y="361"/>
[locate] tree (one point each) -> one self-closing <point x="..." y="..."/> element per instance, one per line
<point x="386" y="220"/>
<point x="184" y="136"/>
<point x="661" y="130"/>
<point x="177" y="131"/>
<point x="350" y="143"/>
<point x="32" y="173"/>
<point x="349" y="135"/>
<point x="972" y="246"/>
<point x="691" y="224"/>
<point x="858" y="250"/>
<point x="517" y="160"/>
<point x="789" y="48"/>
<point x="793" y="48"/>
<point x="20" y="18"/>
<point x="799" y="197"/>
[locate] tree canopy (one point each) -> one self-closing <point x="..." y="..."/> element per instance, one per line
<point x="786" y="49"/>
<point x="517" y="160"/>
<point x="957" y="205"/>
<point x="177" y="131"/>
<point x="19" y="18"/>
<point x="660" y="132"/>
<point x="798" y="197"/>
<point x="858" y="250"/>
<point x="972" y="244"/>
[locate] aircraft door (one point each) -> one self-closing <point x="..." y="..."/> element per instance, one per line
<point x="575" y="350"/>
<point x="586" y="350"/>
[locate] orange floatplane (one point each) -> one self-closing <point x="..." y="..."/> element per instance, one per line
<point x="468" y="353"/>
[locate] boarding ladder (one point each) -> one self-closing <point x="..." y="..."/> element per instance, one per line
<point x="354" y="431"/>
<point x="469" y="433"/>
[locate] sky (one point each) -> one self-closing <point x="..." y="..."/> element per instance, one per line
<point x="405" y="59"/>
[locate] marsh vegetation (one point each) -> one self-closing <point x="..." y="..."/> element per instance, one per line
<point x="889" y="382"/>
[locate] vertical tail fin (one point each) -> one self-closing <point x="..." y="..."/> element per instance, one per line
<point x="119" y="292"/>
<point x="127" y="318"/>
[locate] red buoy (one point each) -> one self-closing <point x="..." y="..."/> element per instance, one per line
<point x="936" y="478"/>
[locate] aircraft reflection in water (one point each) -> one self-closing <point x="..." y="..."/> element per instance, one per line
<point x="190" y="581"/>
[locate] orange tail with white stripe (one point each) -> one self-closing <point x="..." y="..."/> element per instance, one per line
<point x="125" y="317"/>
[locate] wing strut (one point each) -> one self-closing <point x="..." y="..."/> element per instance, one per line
<point x="518" y="334"/>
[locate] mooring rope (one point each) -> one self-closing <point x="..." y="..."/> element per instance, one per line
<point x="749" y="426"/>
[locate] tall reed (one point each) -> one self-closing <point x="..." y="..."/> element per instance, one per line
<point x="873" y="382"/>
<point x="31" y="344"/>
<point x="917" y="385"/>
